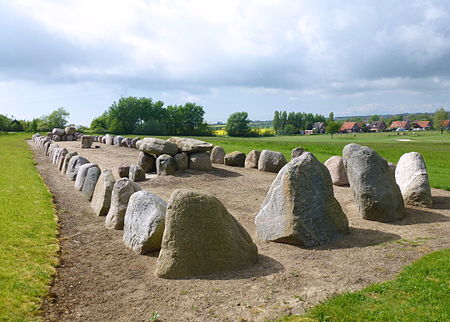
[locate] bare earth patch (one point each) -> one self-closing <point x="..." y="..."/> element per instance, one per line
<point x="99" y="279"/>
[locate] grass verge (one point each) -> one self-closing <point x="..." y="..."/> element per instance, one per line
<point x="28" y="228"/>
<point x="421" y="292"/>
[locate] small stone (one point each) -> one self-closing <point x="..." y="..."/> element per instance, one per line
<point x="181" y="161"/>
<point x="136" y="173"/>
<point x="165" y="165"/>
<point x="147" y="162"/>
<point x="200" y="162"/>
<point x="217" y="155"/>
<point x="86" y="141"/>
<point x="124" y="170"/>
<point x="235" y="159"/>
<point x="271" y="161"/>
<point x="252" y="159"/>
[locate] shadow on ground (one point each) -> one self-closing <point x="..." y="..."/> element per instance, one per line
<point x="420" y="216"/>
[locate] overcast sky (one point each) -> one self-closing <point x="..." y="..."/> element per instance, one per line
<point x="350" y="57"/>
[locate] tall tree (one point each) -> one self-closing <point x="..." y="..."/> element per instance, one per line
<point x="57" y="118"/>
<point x="276" y="121"/>
<point x="331" y="117"/>
<point x="237" y="124"/>
<point x="439" y="116"/>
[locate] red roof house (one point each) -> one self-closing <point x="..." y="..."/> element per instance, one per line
<point x="398" y="124"/>
<point x="421" y="124"/>
<point x="350" y="127"/>
<point x="446" y="124"/>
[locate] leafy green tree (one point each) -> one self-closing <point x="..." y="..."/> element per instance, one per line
<point x="374" y="118"/>
<point x="331" y="117"/>
<point x="276" y="121"/>
<point x="237" y="124"/>
<point x="4" y="122"/>
<point x="100" y="124"/>
<point x="332" y="128"/>
<point x="290" y="129"/>
<point x="57" y="118"/>
<point x="439" y="116"/>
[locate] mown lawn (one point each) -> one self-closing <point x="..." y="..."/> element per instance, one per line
<point x="421" y="292"/>
<point x="28" y="228"/>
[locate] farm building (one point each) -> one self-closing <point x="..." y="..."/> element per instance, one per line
<point x="350" y="127"/>
<point x="446" y="124"/>
<point x="399" y="124"/>
<point x="425" y="125"/>
<point x="377" y="126"/>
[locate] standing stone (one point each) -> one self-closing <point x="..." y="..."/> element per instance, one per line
<point x="124" y="142"/>
<point x="109" y="139"/>
<point x="158" y="147"/>
<point x="101" y="199"/>
<point x="200" y="162"/>
<point x="271" y="161"/>
<point x="337" y="170"/>
<point x="191" y="146"/>
<point x="412" y="178"/>
<point x="82" y="172"/>
<point x="67" y="160"/>
<point x="117" y="140"/>
<point x="136" y="173"/>
<point x="165" y="165"/>
<point x="252" y="159"/>
<point x="144" y="222"/>
<point x="74" y="165"/>
<point x="181" y="161"/>
<point x="122" y="191"/>
<point x="90" y="181"/>
<point x="300" y="207"/>
<point x="86" y="141"/>
<point x="377" y="196"/>
<point x="217" y="155"/>
<point x="296" y="152"/>
<point x="58" y="132"/>
<point x="124" y="170"/>
<point x="201" y="237"/>
<point x="61" y="159"/>
<point x="133" y="142"/>
<point x="235" y="159"/>
<point x="147" y="162"/>
<point x="70" y="137"/>
<point x="70" y="130"/>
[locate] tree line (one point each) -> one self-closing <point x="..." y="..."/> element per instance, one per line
<point x="292" y="122"/>
<point x="144" y="116"/>
<point x="45" y="123"/>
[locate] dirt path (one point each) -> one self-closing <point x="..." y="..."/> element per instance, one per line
<point x="99" y="279"/>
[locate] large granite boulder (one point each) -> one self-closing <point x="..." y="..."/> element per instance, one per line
<point x="252" y="159"/>
<point x="134" y="141"/>
<point x="136" y="173"/>
<point x="117" y="140"/>
<point x="201" y="237"/>
<point x="376" y="193"/>
<point x="412" y="177"/>
<point x="165" y="165"/>
<point x="337" y="170"/>
<point x="296" y="152"/>
<point x="200" y="162"/>
<point x="234" y="159"/>
<point x="271" y="161"/>
<point x="62" y="157"/>
<point x="217" y="155"/>
<point x="86" y="141"/>
<point x="101" y="199"/>
<point x="74" y="165"/>
<point x="181" y="161"/>
<point x="300" y="207"/>
<point x="69" y="156"/>
<point x="82" y="172"/>
<point x="70" y="130"/>
<point x="190" y="145"/>
<point x="158" y="147"/>
<point x="122" y="191"/>
<point x="90" y="181"/>
<point x="58" y="132"/>
<point x="147" y="162"/>
<point x="109" y="139"/>
<point x="144" y="222"/>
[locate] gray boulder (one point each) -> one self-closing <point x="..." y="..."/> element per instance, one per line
<point x="134" y="141"/>
<point x="58" y="132"/>
<point x="217" y="155"/>
<point x="90" y="181"/>
<point x="337" y="170"/>
<point x="296" y="152"/>
<point x="101" y="198"/>
<point x="201" y="237"/>
<point x="86" y="141"/>
<point x="165" y="165"/>
<point x="377" y="196"/>
<point x="117" y="140"/>
<point x="67" y="160"/>
<point x="392" y="166"/>
<point x="122" y="191"/>
<point x="147" y="162"/>
<point x="144" y="222"/>
<point x="109" y="139"/>
<point x="124" y="170"/>
<point x="271" y="161"/>
<point x="300" y="207"/>
<point x="62" y="157"/>
<point x="81" y="176"/>
<point x="412" y="177"/>
<point x="200" y="162"/>
<point x="235" y="159"/>
<point x="136" y="173"/>
<point x="70" y="130"/>
<point x="252" y="159"/>
<point x="158" y="147"/>
<point x="70" y="137"/>
<point x="74" y="165"/>
<point x="181" y="161"/>
<point x="190" y="145"/>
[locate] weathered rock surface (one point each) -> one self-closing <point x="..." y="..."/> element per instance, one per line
<point x="300" y="207"/>
<point x="58" y="132"/>
<point x="200" y="162"/>
<point x="165" y="165"/>
<point x="117" y="140"/>
<point x="376" y="193"/>
<point x="122" y="191"/>
<point x="201" y="237"/>
<point x="252" y="159"/>
<point x="412" y="177"/>
<point x="136" y="173"/>
<point x="101" y="199"/>
<point x="70" y="130"/>
<point x="217" y="155"/>
<point x="133" y="142"/>
<point x="271" y="161"/>
<point x="82" y="172"/>
<point x="181" y="161"/>
<point x="86" y="141"/>
<point x="61" y="159"/>
<point x="124" y="170"/>
<point x="144" y="222"/>
<point x="190" y="145"/>
<point x="147" y="162"/>
<point x="90" y="181"/>
<point x="392" y="167"/>
<point x="69" y="156"/>
<point x="70" y="137"/>
<point x="158" y="147"/>
<point x="235" y="159"/>
<point x="74" y="165"/>
<point x="337" y="170"/>
<point x="296" y="152"/>
<point x="109" y="139"/>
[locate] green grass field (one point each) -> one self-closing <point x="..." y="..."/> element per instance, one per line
<point x="28" y="228"/>
<point x="421" y="292"/>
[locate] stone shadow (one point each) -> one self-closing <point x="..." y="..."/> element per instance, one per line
<point x="217" y="172"/>
<point x="440" y="202"/>
<point x="420" y="216"/>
